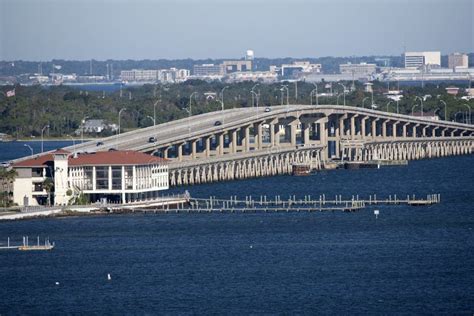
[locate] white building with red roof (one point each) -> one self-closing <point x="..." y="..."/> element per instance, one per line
<point x="118" y="176"/>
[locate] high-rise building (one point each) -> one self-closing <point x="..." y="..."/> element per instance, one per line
<point x="139" y="75"/>
<point x="362" y="69"/>
<point x="419" y="59"/>
<point x="208" y="70"/>
<point x="231" y="66"/>
<point x="458" y="60"/>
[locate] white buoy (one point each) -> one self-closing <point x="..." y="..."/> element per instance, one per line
<point x="376" y="213"/>
<point x="57" y="283"/>
<point x="109" y="277"/>
<point x="251" y="246"/>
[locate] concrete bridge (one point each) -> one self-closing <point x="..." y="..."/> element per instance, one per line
<point x="251" y="142"/>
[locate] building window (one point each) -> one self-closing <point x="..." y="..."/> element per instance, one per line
<point x="88" y="178"/>
<point x="38" y="187"/>
<point x="102" y="178"/>
<point x="116" y="178"/>
<point x="36" y="172"/>
<point x="128" y="177"/>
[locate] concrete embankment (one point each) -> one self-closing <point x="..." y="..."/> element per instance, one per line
<point x="97" y="209"/>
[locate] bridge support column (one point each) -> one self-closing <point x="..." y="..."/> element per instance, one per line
<point x="384" y="129"/>
<point x="353" y="127"/>
<point x="233" y="144"/>
<point x="395" y="129"/>
<point x="246" y="138"/>
<point x="179" y="149"/>
<point x="293" y="134"/>
<point x="258" y="136"/>
<point x="193" y="148"/>
<point x="362" y="126"/>
<point x="374" y="127"/>
<point x="220" y="148"/>
<point x="404" y="130"/>
<point x="208" y="146"/>
<point x="323" y="136"/>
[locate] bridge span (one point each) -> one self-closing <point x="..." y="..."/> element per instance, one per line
<point x="251" y="142"/>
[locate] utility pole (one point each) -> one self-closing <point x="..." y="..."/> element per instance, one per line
<point x="296" y="90"/>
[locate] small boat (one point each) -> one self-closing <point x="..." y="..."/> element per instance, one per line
<point x="301" y="170"/>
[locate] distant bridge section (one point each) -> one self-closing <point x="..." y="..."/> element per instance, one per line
<point x="252" y="142"/>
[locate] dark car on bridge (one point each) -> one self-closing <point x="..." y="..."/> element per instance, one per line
<point x="152" y="139"/>
<point x="99" y="144"/>
<point x="217" y="123"/>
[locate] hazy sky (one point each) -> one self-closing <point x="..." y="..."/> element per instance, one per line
<point x="147" y="29"/>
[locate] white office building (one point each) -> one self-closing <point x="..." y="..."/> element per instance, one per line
<point x="117" y="176"/>
<point x="414" y="60"/>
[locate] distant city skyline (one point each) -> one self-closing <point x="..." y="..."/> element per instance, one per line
<point x="146" y="29"/>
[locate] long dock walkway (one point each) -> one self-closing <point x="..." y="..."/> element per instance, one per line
<point x="292" y="204"/>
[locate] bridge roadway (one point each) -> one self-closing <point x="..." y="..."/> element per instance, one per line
<point x="202" y="125"/>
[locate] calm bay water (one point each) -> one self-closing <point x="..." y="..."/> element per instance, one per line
<point x="409" y="261"/>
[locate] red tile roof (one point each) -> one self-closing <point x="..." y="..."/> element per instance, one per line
<point x="40" y="160"/>
<point x="94" y="159"/>
<point x="114" y="158"/>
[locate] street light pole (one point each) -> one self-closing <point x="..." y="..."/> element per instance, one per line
<point x="413" y="107"/>
<point x="316" y="88"/>
<point x="469" y="107"/>
<point x="343" y="91"/>
<point x="445" y="110"/>
<point x="222" y="96"/>
<point x="388" y="103"/>
<point x="73" y="144"/>
<point x="190" y="111"/>
<point x="154" y="112"/>
<point x="42" y="131"/>
<point x="252" y="93"/>
<point x="421" y="101"/>
<point x="456" y="115"/>
<point x="119" y="125"/>
<point x="151" y="118"/>
<point x="31" y="149"/>
<point x="82" y="128"/>
<point x="363" y="101"/>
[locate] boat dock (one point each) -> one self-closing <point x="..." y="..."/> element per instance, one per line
<point x="251" y="204"/>
<point x="25" y="246"/>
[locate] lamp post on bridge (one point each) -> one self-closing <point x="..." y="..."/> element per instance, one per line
<point x="469" y="107"/>
<point x="42" y="140"/>
<point x="337" y="98"/>
<point x="73" y="144"/>
<point x="388" y="103"/>
<point x="222" y="97"/>
<point x="343" y="91"/>
<point x="287" y="95"/>
<point x="363" y="100"/>
<point x="456" y="115"/>
<point x="190" y="111"/>
<point x="119" y="125"/>
<point x="31" y="149"/>
<point x="445" y="110"/>
<point x="413" y="108"/>
<point x="154" y="112"/>
<point x="151" y="118"/>
<point x="311" y="94"/>
<point x="252" y="93"/>
<point x="421" y="101"/>
<point x="82" y="128"/>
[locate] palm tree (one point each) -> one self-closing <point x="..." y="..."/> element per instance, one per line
<point x="7" y="177"/>
<point x="48" y="185"/>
